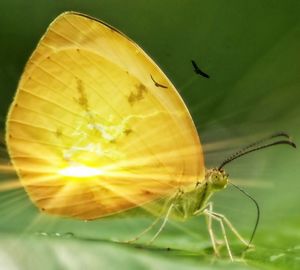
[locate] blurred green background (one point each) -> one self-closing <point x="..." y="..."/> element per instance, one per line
<point x="251" y="50"/>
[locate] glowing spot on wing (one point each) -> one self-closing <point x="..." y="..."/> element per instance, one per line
<point x="80" y="171"/>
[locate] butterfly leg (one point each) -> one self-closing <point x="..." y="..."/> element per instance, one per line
<point x="213" y="215"/>
<point x="208" y="219"/>
<point x="144" y="231"/>
<point x="162" y="225"/>
<point x="231" y="227"/>
<point x="151" y="226"/>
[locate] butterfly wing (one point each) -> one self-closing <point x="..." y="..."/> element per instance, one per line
<point x="89" y="131"/>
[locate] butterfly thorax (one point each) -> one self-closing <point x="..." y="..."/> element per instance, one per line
<point x="191" y="203"/>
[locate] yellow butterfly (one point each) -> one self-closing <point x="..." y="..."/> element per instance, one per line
<point x="96" y="128"/>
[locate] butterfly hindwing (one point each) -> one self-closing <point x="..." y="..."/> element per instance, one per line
<point x="87" y="97"/>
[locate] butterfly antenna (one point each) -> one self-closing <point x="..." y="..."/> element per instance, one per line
<point x="274" y="135"/>
<point x="257" y="211"/>
<point x="257" y="146"/>
<point x="252" y="148"/>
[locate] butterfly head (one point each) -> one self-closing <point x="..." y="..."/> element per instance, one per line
<point x="217" y="179"/>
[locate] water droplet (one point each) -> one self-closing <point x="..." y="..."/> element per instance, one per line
<point x="55" y="234"/>
<point x="68" y="235"/>
<point x="41" y="234"/>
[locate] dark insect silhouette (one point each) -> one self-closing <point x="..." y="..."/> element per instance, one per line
<point x="198" y="70"/>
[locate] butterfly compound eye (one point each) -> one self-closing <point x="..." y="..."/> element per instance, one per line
<point x="218" y="180"/>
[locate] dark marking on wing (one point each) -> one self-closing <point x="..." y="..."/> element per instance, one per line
<point x="58" y="133"/>
<point x="198" y="70"/>
<point x="138" y="95"/>
<point x="157" y="84"/>
<point x="127" y="131"/>
<point x="146" y="192"/>
<point x="82" y="99"/>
